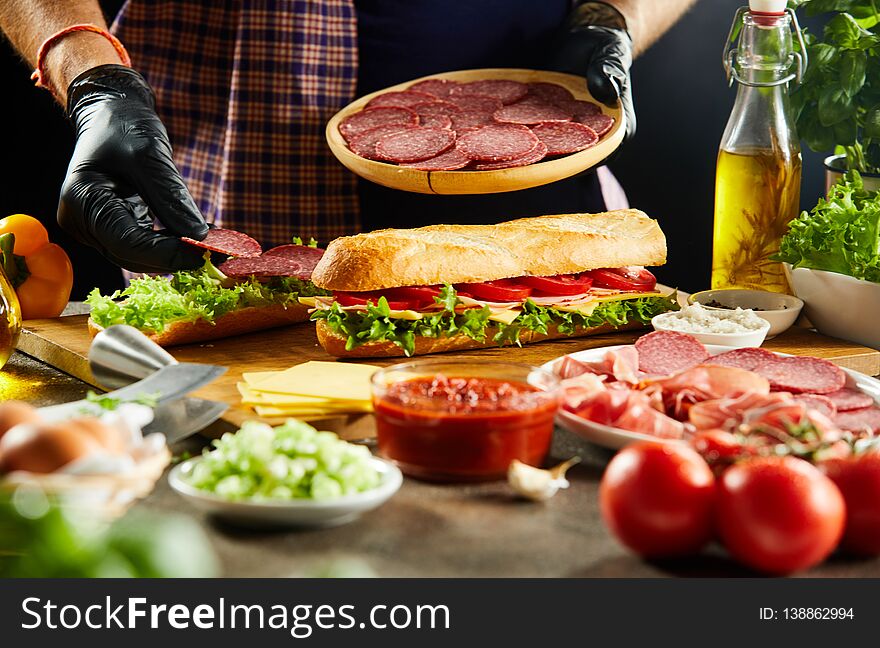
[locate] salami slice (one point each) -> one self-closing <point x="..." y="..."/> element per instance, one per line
<point x="436" y="107"/>
<point x="538" y="153"/>
<point x="435" y="87"/>
<point x="228" y="242"/>
<point x="364" y="144"/>
<point x="562" y="138"/>
<point x="533" y="100"/>
<point x="264" y="266"/>
<point x="600" y="123"/>
<point x="475" y="103"/>
<point x="449" y="161"/>
<point x="799" y="374"/>
<point x="530" y="114"/>
<point x="860" y="421"/>
<point x="668" y="352"/>
<point x="497" y="143"/>
<point x="415" y="144"/>
<point x="364" y="120"/>
<point x="821" y="404"/>
<point x="550" y="92"/>
<point x="746" y="358"/>
<point x="404" y="99"/>
<point x="579" y="108"/>
<point x="847" y="399"/>
<point x="468" y="119"/>
<point x="503" y="90"/>
<point x="435" y="121"/>
<point x="305" y="255"/>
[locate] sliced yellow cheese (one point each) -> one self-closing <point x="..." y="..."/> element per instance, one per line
<point x="504" y="315"/>
<point x="632" y="295"/>
<point x="330" y="380"/>
<point x="250" y="396"/>
<point x="584" y="308"/>
<point x="281" y="412"/>
<point x="308" y="301"/>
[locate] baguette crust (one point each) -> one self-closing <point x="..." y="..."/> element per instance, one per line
<point x="334" y="344"/>
<point x="237" y="322"/>
<point x="542" y="246"/>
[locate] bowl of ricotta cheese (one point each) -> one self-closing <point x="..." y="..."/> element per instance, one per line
<point x="739" y="327"/>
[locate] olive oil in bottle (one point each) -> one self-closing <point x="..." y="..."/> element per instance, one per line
<point x="758" y="173"/>
<point x="756" y="195"/>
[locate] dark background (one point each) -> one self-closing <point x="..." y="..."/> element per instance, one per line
<point x="668" y="170"/>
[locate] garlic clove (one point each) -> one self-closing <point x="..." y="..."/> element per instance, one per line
<point x="538" y="484"/>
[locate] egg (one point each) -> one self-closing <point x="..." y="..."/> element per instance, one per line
<point x="48" y="448"/>
<point x="108" y="437"/>
<point x="13" y="412"/>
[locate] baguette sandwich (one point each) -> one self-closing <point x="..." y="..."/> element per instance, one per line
<point x="243" y="295"/>
<point x="449" y="288"/>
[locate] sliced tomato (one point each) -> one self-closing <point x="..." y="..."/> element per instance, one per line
<point x="423" y="295"/>
<point x="503" y="290"/>
<point x="635" y="279"/>
<point x="559" y="285"/>
<point x="362" y="298"/>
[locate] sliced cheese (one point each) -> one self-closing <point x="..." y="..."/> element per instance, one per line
<point x="330" y="380"/>
<point x="584" y="308"/>
<point x="308" y="301"/>
<point x="251" y="396"/>
<point x="504" y="315"/>
<point x="280" y="412"/>
<point x="624" y="295"/>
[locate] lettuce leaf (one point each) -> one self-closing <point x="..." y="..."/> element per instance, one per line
<point x="840" y="234"/>
<point x="376" y="324"/>
<point x="151" y="303"/>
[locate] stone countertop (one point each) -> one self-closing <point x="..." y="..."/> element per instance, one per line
<point x="430" y="530"/>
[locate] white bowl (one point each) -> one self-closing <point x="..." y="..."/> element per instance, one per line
<point x="294" y="512"/>
<point x="777" y="308"/>
<point x="616" y="438"/>
<point x="731" y="340"/>
<point x="839" y="305"/>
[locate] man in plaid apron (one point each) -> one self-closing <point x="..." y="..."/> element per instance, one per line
<point x="242" y="91"/>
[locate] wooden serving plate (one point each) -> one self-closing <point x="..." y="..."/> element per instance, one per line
<point x="479" y="182"/>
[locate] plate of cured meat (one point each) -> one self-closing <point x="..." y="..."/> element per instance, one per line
<point x="668" y="386"/>
<point x="476" y="131"/>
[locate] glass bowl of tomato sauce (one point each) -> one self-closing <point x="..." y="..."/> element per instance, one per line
<point x="460" y="420"/>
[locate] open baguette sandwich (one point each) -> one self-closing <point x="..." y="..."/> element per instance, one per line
<point x="450" y="287"/>
<point x="242" y="295"/>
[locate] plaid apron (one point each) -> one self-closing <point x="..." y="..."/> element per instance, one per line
<point x="245" y="89"/>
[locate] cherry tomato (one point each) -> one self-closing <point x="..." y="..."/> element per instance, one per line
<point x="779" y="514"/>
<point x="716" y="445"/>
<point x="503" y="290"/>
<point x="361" y="299"/>
<point x="657" y="498"/>
<point x="635" y="279"/>
<point x="559" y="285"/>
<point x="858" y="478"/>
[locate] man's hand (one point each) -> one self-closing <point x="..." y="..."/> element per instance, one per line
<point x="122" y="175"/>
<point x="596" y="45"/>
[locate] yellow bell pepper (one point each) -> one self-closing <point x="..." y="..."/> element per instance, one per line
<point x="39" y="271"/>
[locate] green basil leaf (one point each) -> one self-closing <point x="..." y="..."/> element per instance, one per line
<point x="852" y="71"/>
<point x="834" y="105"/>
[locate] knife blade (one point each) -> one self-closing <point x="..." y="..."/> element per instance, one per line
<point x="184" y="417"/>
<point x="167" y="384"/>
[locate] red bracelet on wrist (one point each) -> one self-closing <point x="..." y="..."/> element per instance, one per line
<point x="39" y="76"/>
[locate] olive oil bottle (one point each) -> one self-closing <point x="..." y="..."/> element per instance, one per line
<point x="758" y="173"/>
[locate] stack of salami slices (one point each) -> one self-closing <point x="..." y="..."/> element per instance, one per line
<point x="248" y="260"/>
<point x="443" y="125"/>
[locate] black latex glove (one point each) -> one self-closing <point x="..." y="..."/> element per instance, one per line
<point x="603" y="55"/>
<point x="121" y="176"/>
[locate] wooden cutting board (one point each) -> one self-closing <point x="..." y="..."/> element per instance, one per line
<point x="64" y="343"/>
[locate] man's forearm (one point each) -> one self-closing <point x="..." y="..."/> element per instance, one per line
<point x="648" y="20"/>
<point x="27" y="23"/>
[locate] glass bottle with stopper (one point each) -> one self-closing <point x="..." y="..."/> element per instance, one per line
<point x="758" y="174"/>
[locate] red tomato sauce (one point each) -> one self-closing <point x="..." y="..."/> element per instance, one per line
<point x="452" y="429"/>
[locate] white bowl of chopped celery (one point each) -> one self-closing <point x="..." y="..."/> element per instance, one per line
<point x="289" y="475"/>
